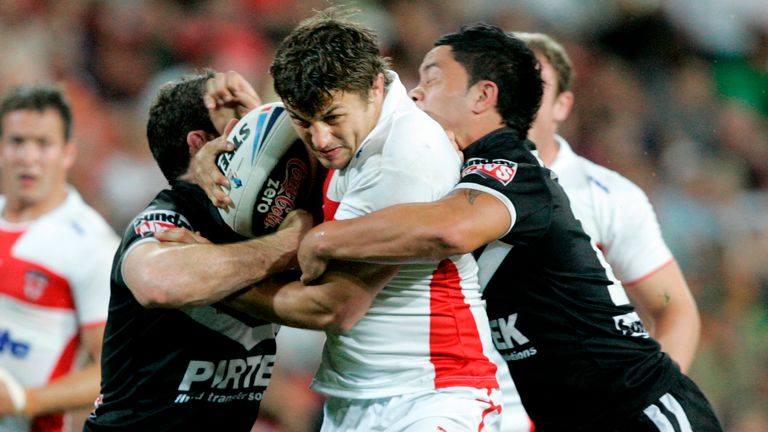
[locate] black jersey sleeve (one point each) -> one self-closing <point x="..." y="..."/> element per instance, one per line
<point x="513" y="175"/>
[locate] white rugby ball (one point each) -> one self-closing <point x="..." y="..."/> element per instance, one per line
<point x="270" y="171"/>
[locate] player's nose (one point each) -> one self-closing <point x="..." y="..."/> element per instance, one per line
<point x="321" y="135"/>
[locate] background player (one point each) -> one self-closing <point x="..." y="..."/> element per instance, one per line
<point x="55" y="253"/>
<point x="615" y="213"/>
<point x="578" y="352"/>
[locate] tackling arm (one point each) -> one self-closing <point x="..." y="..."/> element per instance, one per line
<point x="666" y="304"/>
<point x="459" y="223"/>
<point x="174" y="275"/>
<point x="335" y="303"/>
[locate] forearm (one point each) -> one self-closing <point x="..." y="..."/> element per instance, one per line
<point x="78" y="389"/>
<point x="678" y="335"/>
<point x="397" y="234"/>
<point x="334" y="304"/>
<point x="197" y="274"/>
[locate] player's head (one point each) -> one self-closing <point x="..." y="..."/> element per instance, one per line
<point x="477" y="71"/>
<point x="557" y="74"/>
<point x="332" y="79"/>
<point x="37" y="151"/>
<point x="179" y="123"/>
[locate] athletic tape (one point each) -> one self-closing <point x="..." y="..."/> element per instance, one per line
<point x="15" y="391"/>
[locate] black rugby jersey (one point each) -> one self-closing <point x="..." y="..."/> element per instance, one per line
<point x="577" y="351"/>
<point x="197" y="369"/>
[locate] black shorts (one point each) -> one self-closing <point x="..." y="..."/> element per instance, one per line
<point x="683" y="409"/>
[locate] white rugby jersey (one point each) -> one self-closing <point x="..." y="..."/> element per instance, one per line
<point x="427" y="328"/>
<point x="55" y="280"/>
<point x="615" y="213"/>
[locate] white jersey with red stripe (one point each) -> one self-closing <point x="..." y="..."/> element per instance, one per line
<point x="615" y="213"/>
<point x="55" y="281"/>
<point x="427" y="328"/>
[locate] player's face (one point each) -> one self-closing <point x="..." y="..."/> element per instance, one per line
<point x="443" y="90"/>
<point x="554" y="108"/>
<point x="335" y="134"/>
<point x="34" y="157"/>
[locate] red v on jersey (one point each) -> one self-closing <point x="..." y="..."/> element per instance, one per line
<point x="28" y="281"/>
<point x="329" y="206"/>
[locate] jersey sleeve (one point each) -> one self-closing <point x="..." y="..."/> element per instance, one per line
<point x="634" y="245"/>
<point x="161" y="215"/>
<point x="417" y="163"/>
<point x="522" y="188"/>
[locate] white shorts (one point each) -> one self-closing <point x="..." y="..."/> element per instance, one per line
<point x="453" y="409"/>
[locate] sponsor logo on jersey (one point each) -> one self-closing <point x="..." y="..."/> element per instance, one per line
<point x="508" y="339"/>
<point x="630" y="325"/>
<point x="500" y="170"/>
<point x="154" y="221"/>
<point x="216" y="382"/>
<point x="35" y="283"/>
<point x="15" y="348"/>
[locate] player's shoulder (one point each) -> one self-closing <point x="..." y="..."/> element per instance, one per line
<point x="80" y="222"/>
<point x="608" y="181"/>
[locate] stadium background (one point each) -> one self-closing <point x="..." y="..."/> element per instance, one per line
<point x="671" y="93"/>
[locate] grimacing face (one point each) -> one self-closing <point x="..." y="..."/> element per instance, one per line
<point x="337" y="131"/>
<point x="34" y="158"/>
<point x="443" y="88"/>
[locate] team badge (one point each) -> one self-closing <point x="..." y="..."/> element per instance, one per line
<point x="154" y="221"/>
<point x="35" y="283"/>
<point x="500" y="170"/>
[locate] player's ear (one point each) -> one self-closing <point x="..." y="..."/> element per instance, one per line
<point x="196" y="139"/>
<point x="485" y="97"/>
<point x="562" y="107"/>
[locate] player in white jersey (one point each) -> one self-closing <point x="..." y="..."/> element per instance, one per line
<point x="55" y="255"/>
<point x="419" y="357"/>
<point x="616" y="214"/>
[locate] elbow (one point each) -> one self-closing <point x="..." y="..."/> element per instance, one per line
<point x="451" y="240"/>
<point x="340" y="319"/>
<point x="154" y="290"/>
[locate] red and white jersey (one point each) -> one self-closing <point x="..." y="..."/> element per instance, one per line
<point x="615" y="213"/>
<point x="55" y="280"/>
<point x="427" y="328"/>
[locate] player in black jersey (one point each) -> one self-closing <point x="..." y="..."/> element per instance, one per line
<point x="577" y="350"/>
<point x="170" y="361"/>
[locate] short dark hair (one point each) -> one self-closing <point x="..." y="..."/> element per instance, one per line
<point x="38" y="97"/>
<point x="177" y="110"/>
<point x="489" y="53"/>
<point x="325" y="53"/>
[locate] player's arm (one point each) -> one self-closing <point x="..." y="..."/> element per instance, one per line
<point x="459" y="223"/>
<point x="174" y="275"/>
<point x="668" y="308"/>
<point x="334" y="303"/>
<point x="74" y="390"/>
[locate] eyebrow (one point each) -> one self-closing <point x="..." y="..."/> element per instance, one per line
<point x="327" y="112"/>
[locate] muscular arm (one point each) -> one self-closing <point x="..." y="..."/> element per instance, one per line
<point x="334" y="303"/>
<point x="459" y="223"/>
<point x="76" y="389"/>
<point x="176" y="275"/>
<point x="667" y="306"/>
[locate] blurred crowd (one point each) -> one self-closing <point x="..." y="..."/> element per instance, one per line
<point x="671" y="93"/>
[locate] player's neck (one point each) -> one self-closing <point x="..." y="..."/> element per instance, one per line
<point x="548" y="149"/>
<point x="21" y="210"/>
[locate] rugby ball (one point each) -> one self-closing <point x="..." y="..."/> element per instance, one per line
<point x="270" y="171"/>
